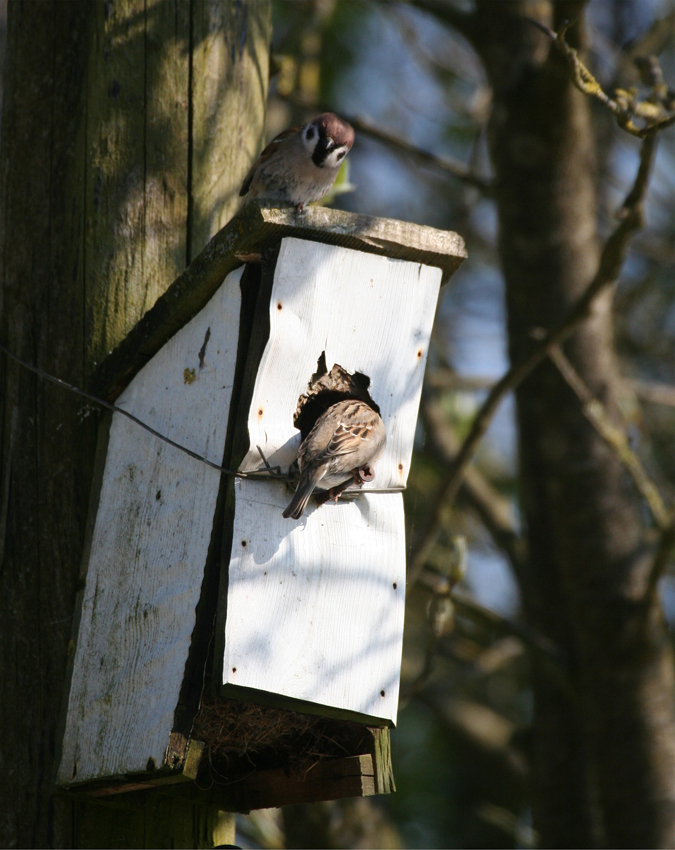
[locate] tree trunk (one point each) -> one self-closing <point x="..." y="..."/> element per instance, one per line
<point x="604" y="764"/>
<point x="127" y="129"/>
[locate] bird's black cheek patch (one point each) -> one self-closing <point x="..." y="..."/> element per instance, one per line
<point x="324" y="389"/>
<point x="320" y="153"/>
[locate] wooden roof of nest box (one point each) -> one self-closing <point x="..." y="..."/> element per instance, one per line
<point x="308" y="613"/>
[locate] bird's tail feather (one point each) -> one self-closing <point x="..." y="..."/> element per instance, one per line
<point x="305" y="489"/>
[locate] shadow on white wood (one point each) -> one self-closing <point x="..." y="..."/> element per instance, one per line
<point x="149" y="549"/>
<point x="315" y="607"/>
<point x="368" y="313"/>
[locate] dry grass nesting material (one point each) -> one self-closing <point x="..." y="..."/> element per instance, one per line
<point x="232" y="729"/>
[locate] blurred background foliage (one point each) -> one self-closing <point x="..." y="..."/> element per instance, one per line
<point x="419" y="98"/>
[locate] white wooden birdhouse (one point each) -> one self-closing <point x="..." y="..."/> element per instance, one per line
<point x="210" y="625"/>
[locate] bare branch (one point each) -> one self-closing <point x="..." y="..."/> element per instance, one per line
<point x="540" y="648"/>
<point x="479" y="496"/>
<point x="649" y="43"/>
<point x="450" y="166"/>
<point x="366" y="126"/>
<point x="653" y="392"/>
<point x="443" y="10"/>
<point x="448" y="379"/>
<point x="609" y="268"/>
<point x="661" y="560"/>
<point x="616" y="438"/>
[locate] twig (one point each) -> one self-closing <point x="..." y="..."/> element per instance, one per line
<point x="448" y="379"/>
<point x="660" y="563"/>
<point x="616" y="438"/>
<point x="609" y="268"/>
<point x="115" y="409"/>
<point x="540" y="648"/>
<point x="625" y="106"/>
<point x="363" y="124"/>
<point x="463" y="22"/>
<point x="650" y="42"/>
<point x="653" y="392"/>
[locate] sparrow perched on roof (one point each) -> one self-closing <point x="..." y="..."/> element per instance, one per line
<point x="345" y="442"/>
<point x="300" y="165"/>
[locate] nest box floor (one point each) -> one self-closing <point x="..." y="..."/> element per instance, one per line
<point x="240" y="736"/>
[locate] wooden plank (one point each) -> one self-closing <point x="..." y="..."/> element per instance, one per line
<point x="253" y="230"/>
<point x="148" y="551"/>
<point x="327" y="595"/>
<point x="367" y="313"/>
<point x="400" y="240"/>
<point x="329" y="779"/>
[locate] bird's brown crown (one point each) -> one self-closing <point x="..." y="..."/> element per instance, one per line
<point x="338" y="130"/>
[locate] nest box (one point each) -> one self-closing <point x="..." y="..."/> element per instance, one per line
<point x="213" y="633"/>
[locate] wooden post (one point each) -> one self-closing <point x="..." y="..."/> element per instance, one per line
<point x="113" y="175"/>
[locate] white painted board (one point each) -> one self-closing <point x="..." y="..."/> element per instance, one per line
<point x="370" y="314"/>
<point x="149" y="548"/>
<point x="315" y="607"/>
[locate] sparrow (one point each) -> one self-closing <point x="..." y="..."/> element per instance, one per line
<point x="300" y="165"/>
<point x="344" y="445"/>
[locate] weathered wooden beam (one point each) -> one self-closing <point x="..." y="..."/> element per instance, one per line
<point x="252" y="230"/>
<point x="330" y="779"/>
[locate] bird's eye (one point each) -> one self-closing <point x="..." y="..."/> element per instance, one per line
<point x="309" y="135"/>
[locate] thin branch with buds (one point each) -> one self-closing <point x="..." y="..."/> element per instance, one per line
<point x="655" y="113"/>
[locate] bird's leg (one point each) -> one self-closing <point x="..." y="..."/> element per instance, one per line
<point x="299" y="207"/>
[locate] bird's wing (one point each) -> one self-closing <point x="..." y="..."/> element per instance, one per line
<point x="349" y="435"/>
<point x="269" y="151"/>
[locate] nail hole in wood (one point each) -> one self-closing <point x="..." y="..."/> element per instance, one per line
<point x="234" y="669"/>
<point x="395" y="585"/>
<point x="243" y="543"/>
<point x="381" y="693"/>
<point x="279" y="307"/>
